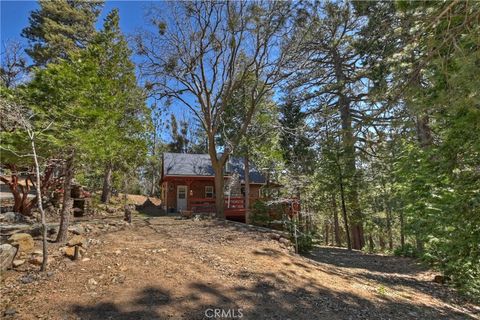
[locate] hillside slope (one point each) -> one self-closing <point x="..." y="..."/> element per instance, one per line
<point x="162" y="268"/>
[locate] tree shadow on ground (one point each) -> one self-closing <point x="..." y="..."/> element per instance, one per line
<point x="149" y="299"/>
<point x="389" y="272"/>
<point x="340" y="257"/>
<point x="264" y="296"/>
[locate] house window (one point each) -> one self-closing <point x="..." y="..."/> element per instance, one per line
<point x="182" y="192"/>
<point x="208" y="192"/>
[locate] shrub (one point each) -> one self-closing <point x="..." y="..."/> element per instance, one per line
<point x="260" y="215"/>
<point x="408" y="250"/>
<point x="304" y="241"/>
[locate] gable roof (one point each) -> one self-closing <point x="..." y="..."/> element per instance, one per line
<point x="186" y="164"/>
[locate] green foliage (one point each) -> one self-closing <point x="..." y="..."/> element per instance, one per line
<point x="295" y="145"/>
<point x="416" y="146"/>
<point x="259" y="214"/>
<point x="91" y="103"/>
<point x="60" y="27"/>
<point x="407" y="251"/>
<point x="304" y="242"/>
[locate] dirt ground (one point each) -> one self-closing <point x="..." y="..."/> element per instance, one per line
<point x="163" y="268"/>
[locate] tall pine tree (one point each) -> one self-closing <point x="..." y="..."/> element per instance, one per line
<point x="60" y="27"/>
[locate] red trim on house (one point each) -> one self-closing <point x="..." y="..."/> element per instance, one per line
<point x="181" y="177"/>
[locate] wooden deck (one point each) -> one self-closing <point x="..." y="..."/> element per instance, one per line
<point x="234" y="207"/>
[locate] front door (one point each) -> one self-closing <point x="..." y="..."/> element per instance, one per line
<point x="181" y="198"/>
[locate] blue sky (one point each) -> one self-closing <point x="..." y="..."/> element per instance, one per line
<point x="14" y="17"/>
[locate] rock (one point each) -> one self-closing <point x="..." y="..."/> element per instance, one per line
<point x="27" y="279"/>
<point x="76" y="240"/>
<point x="18" y="263"/>
<point x="441" y="279"/>
<point x="36" y="260"/>
<point x="285" y="241"/>
<point x="110" y="210"/>
<point x="51" y="230"/>
<point x="7" y="254"/>
<point x="69" y="251"/>
<point x="274" y="236"/>
<point x="37" y="252"/>
<point x="93" y="242"/>
<point x="23" y="240"/>
<point x="92" y="282"/>
<point x="78" y="229"/>
<point x="12" y="217"/>
<point x="36" y="231"/>
<point x="9" y="312"/>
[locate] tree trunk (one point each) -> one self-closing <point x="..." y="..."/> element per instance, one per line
<point x="332" y="229"/>
<point x="402" y="231"/>
<point x="388" y="210"/>
<point x="424" y="133"/>
<point x="420" y="244"/>
<point x="107" y="184"/>
<point x="219" y="192"/>
<point x="371" y="243"/>
<point x="389" y="229"/>
<point x="247" y="188"/>
<point x="348" y="141"/>
<point x="218" y="165"/>
<point x="154" y="151"/>
<point x="21" y="202"/>
<point x="152" y="190"/>
<point x="326" y="233"/>
<point x="67" y="199"/>
<point x="381" y="242"/>
<point x="336" y="225"/>
<point x="40" y="205"/>
<point x="344" y="212"/>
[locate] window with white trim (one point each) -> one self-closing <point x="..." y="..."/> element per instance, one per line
<point x="208" y="191"/>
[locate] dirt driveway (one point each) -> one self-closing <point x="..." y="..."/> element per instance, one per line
<point x="162" y="268"/>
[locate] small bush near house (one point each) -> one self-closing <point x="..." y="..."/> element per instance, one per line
<point x="260" y="215"/>
<point x="304" y="242"/>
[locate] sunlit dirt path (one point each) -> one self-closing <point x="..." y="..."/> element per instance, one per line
<point x="162" y="268"/>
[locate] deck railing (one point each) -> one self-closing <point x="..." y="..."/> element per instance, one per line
<point x="206" y="205"/>
<point x="234" y="205"/>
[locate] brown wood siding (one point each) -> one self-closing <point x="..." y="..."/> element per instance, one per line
<point x="172" y="194"/>
<point x="197" y="187"/>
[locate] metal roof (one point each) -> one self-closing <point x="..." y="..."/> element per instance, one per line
<point x="186" y="164"/>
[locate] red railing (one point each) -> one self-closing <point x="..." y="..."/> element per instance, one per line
<point x="234" y="206"/>
<point x="234" y="203"/>
<point x="206" y="205"/>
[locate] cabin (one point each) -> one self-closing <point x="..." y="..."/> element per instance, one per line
<point x="187" y="184"/>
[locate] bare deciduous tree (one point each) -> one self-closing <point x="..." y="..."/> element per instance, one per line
<point x="204" y="51"/>
<point x="16" y="113"/>
<point x="13" y="64"/>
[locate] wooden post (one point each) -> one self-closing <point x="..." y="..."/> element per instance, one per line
<point x="76" y="254"/>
